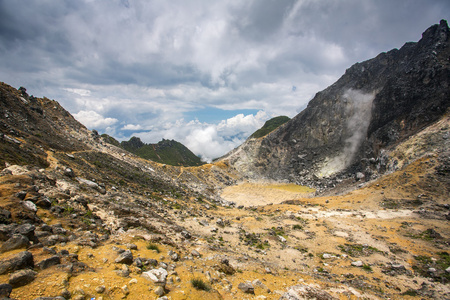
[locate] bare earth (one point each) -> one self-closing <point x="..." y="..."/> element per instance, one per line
<point x="254" y="194"/>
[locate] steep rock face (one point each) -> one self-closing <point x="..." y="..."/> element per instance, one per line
<point x="374" y="105"/>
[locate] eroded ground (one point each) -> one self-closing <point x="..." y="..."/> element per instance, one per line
<point x="388" y="239"/>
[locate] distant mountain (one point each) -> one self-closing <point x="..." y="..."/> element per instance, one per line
<point x="110" y="140"/>
<point x="166" y="151"/>
<point x="350" y="126"/>
<point x="270" y="126"/>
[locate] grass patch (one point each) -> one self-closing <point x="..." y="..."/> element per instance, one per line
<point x="301" y="248"/>
<point x="297" y="227"/>
<point x="321" y="270"/>
<point x="199" y="284"/>
<point x="410" y="292"/>
<point x="68" y="210"/>
<point x="390" y="204"/>
<point x="278" y="231"/>
<point x="356" y="250"/>
<point x="444" y="261"/>
<point x="367" y="268"/>
<point x="424" y="263"/>
<point x="86" y="221"/>
<point x="427" y="235"/>
<point x="263" y="246"/>
<point x="151" y="246"/>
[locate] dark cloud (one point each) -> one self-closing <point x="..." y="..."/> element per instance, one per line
<point x="259" y="20"/>
<point x="369" y="26"/>
<point x="169" y="59"/>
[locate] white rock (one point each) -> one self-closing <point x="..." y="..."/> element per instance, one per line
<point x="282" y="239"/>
<point x="30" y="205"/>
<point x="89" y="183"/>
<point x="340" y="234"/>
<point x="158" y="276"/>
<point x="357" y="263"/>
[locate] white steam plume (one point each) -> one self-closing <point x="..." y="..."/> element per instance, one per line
<point x="359" y="111"/>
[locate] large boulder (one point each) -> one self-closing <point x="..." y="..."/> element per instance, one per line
<point x="125" y="257"/>
<point x="246" y="287"/>
<point x="5" y="290"/>
<point x="19" y="261"/>
<point x="26" y="230"/>
<point x="22" y="277"/>
<point x="17" y="241"/>
<point x="6" y="231"/>
<point x="48" y="262"/>
<point x="53" y="239"/>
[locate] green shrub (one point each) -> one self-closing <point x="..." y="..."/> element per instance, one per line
<point x="199" y="284"/>
<point x="410" y="292"/>
<point x="368" y="268"/>
<point x="151" y="246"/>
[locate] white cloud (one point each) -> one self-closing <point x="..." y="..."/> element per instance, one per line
<point x="240" y="123"/>
<point x="132" y="127"/>
<point x="80" y="92"/>
<point x="93" y="120"/>
<point x="208" y="140"/>
<point x="148" y="64"/>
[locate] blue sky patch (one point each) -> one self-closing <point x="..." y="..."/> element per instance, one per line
<point x="214" y="115"/>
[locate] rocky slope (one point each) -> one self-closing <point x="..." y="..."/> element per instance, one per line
<point x="348" y="127"/>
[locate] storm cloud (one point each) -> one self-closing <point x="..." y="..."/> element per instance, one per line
<point x="148" y="67"/>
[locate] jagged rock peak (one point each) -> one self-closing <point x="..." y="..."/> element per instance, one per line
<point x="437" y="33"/>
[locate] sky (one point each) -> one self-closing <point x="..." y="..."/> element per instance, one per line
<point x="205" y="73"/>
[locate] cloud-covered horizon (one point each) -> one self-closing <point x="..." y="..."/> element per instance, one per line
<point x="206" y="73"/>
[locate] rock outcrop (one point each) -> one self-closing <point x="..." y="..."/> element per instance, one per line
<point x="373" y="106"/>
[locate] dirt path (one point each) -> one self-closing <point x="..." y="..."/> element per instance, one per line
<point x="53" y="162"/>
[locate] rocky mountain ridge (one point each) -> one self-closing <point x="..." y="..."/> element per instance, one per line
<point x="349" y="126"/>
